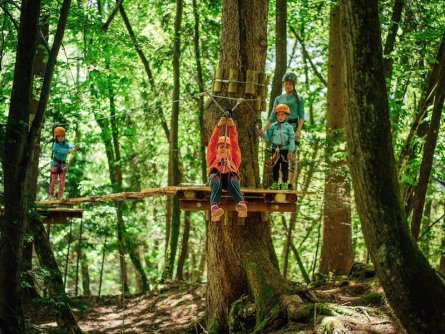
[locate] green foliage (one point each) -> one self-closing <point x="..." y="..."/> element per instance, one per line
<point x="97" y="69"/>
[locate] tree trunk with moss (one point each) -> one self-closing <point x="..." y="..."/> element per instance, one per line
<point x="336" y="251"/>
<point x="29" y="291"/>
<point x="412" y="287"/>
<point x="241" y="258"/>
<point x="16" y="168"/>
<point x="53" y="280"/>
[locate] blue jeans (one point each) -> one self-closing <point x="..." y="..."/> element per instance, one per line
<point x="227" y="181"/>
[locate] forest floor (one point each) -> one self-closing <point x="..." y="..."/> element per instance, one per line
<point x="357" y="306"/>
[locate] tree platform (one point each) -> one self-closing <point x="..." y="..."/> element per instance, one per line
<point x="196" y="197"/>
<point x="57" y="215"/>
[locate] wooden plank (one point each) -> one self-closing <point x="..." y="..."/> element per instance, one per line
<point x="55" y="202"/>
<point x="60" y="212"/>
<point x="188" y="192"/>
<point x="79" y="200"/>
<point x="172" y="189"/>
<point x="134" y="195"/>
<point x="252" y="206"/>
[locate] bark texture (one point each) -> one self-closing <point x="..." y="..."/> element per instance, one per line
<point x="17" y="151"/>
<point x="336" y="251"/>
<point x="241" y="258"/>
<point x="412" y="287"/>
<point x="54" y="282"/>
<point x="174" y="174"/>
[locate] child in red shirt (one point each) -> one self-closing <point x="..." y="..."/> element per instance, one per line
<point x="223" y="159"/>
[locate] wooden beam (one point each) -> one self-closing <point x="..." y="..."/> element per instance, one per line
<point x="60" y="213"/>
<point x="252" y="206"/>
<point x="189" y="192"/>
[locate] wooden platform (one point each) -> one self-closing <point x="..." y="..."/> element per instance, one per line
<point x="196" y="198"/>
<point x="258" y="200"/>
<point x="57" y="215"/>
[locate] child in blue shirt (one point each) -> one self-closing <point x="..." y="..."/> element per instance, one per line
<point x="61" y="149"/>
<point x="295" y="102"/>
<point x="281" y="135"/>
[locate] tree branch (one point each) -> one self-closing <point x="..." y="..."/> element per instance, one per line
<point x="431" y="90"/>
<point x="390" y="39"/>
<point x="306" y="54"/>
<point x="8" y="14"/>
<point x="46" y="86"/>
<point x="106" y="25"/>
<point x="144" y="62"/>
<point x="430" y="226"/>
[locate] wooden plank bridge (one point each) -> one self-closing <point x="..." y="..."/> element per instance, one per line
<point x="196" y="198"/>
<point x="191" y="198"/>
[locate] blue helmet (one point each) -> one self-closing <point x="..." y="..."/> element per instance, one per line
<point x="290" y="77"/>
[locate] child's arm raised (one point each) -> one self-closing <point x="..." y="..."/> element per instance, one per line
<point x="211" y="146"/>
<point x="233" y="135"/>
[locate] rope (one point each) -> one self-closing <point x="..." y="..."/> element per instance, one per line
<point x="237" y="81"/>
<point x="227" y="97"/>
<point x="70" y="157"/>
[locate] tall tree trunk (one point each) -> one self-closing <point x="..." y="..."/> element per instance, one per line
<point x="425" y="243"/>
<point x="17" y="151"/>
<point x="85" y="274"/>
<point x="54" y="282"/>
<point x="24" y="145"/>
<point x="200" y="78"/>
<point x="336" y="251"/>
<point x="426" y="100"/>
<point x="280" y="68"/>
<point x="184" y="248"/>
<point x="391" y="37"/>
<point x="241" y="258"/>
<point x="110" y="137"/>
<point x="199" y="274"/>
<point x="174" y="173"/>
<point x="430" y="142"/>
<point x="413" y="289"/>
<point x="441" y="268"/>
<point x="107" y="138"/>
<point x="29" y="291"/>
<point x="280" y="50"/>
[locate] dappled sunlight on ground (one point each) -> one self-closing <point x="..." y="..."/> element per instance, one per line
<point x="359" y="306"/>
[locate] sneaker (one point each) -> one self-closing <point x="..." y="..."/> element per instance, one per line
<point x="217" y="212"/>
<point x="274" y="186"/>
<point x="241" y="208"/>
<point x="290" y="186"/>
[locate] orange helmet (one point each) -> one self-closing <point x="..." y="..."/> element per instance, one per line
<point x="59" y="131"/>
<point x="224" y="140"/>
<point x="283" y="108"/>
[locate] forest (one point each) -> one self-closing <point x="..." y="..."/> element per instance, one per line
<point x="355" y="243"/>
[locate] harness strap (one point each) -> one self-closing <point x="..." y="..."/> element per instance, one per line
<point x="58" y="160"/>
